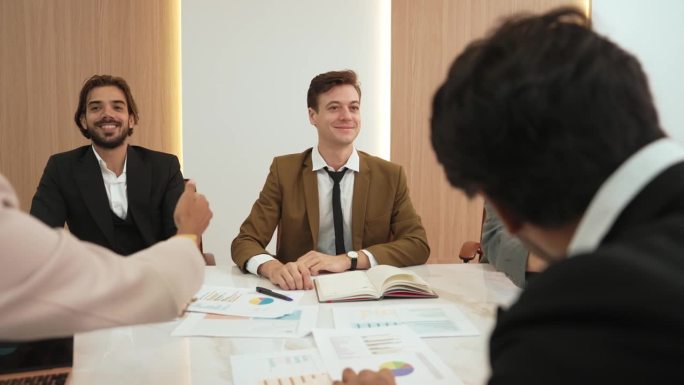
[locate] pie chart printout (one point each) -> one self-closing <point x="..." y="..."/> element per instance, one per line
<point x="261" y="301"/>
<point x="398" y="368"/>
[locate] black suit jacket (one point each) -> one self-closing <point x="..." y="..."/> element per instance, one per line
<point x="613" y="316"/>
<point x="72" y="190"/>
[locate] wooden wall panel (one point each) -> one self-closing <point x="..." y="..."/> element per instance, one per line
<point x="426" y="37"/>
<point x="49" y="48"/>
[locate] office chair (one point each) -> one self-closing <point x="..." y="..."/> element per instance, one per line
<point x="471" y="250"/>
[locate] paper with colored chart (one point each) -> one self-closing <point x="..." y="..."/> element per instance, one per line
<point x="397" y="348"/>
<point x="435" y="320"/>
<point x="242" y="302"/>
<point x="298" y="367"/>
<point x="297" y="324"/>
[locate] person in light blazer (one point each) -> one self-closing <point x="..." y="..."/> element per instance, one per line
<point x="372" y="222"/>
<point x="54" y="285"/>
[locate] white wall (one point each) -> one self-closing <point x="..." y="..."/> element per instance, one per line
<point x="654" y="32"/>
<point x="247" y="65"/>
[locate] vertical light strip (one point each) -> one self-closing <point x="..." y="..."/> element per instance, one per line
<point x="587" y="9"/>
<point x="385" y="78"/>
<point x="179" y="79"/>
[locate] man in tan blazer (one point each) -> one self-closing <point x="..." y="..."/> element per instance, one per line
<point x="46" y="293"/>
<point x="336" y="208"/>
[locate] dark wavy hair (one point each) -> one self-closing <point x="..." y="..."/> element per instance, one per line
<point x="322" y="83"/>
<point x="538" y="114"/>
<point x="96" y="81"/>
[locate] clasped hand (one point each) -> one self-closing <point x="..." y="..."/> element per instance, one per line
<point x="297" y="275"/>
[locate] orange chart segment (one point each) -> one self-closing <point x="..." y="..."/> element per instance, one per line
<point x="399" y="368"/>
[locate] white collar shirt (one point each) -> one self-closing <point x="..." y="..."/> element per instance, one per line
<point x="620" y="189"/>
<point x="115" y="186"/>
<point x="326" y="228"/>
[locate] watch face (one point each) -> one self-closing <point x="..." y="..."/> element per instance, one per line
<point x="352" y="254"/>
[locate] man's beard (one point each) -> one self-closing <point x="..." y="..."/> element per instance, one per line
<point x="108" y="142"/>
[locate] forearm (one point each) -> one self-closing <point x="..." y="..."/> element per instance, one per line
<point x="406" y="251"/>
<point x="104" y="289"/>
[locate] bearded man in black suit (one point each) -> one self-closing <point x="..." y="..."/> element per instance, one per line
<point x="109" y="192"/>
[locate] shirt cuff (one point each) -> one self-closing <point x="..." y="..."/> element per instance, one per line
<point x="371" y="258"/>
<point x="192" y="237"/>
<point x="256" y="261"/>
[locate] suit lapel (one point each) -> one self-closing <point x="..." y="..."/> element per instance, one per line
<point x="311" y="198"/>
<point x="138" y="188"/>
<point x="91" y="185"/>
<point x="359" y="200"/>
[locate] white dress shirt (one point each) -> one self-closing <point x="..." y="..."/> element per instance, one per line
<point x="326" y="227"/>
<point x="115" y="186"/>
<point x="619" y="190"/>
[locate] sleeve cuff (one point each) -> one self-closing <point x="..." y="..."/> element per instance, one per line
<point x="371" y="258"/>
<point x="256" y="261"/>
<point x="191" y="237"/>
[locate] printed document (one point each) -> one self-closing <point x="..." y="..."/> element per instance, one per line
<point x="298" y="367"/>
<point x="297" y="324"/>
<point x="243" y="302"/>
<point x="396" y="348"/>
<point x="435" y="320"/>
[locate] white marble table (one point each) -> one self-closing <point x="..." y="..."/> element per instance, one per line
<point x="147" y="354"/>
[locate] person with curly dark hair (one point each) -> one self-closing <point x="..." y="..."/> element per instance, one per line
<point x="556" y="127"/>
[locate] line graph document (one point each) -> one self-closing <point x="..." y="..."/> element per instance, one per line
<point x="297" y="324"/>
<point x="396" y="348"/>
<point x="425" y="320"/>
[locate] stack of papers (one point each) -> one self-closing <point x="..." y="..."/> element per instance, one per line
<point x="365" y="337"/>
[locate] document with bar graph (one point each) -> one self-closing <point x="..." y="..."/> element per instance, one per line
<point x="242" y="302"/>
<point x="396" y="348"/>
<point x="298" y="367"/>
<point x="434" y="320"/>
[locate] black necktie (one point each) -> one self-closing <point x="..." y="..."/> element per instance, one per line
<point x="337" y="210"/>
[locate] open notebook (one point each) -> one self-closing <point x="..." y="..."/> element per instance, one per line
<point x="382" y="281"/>
<point x="36" y="362"/>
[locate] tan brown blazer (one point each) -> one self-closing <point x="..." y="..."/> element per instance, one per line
<point x="383" y="218"/>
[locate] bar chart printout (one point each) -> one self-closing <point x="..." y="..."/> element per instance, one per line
<point x="440" y="320"/>
<point x="300" y="367"/>
<point x="397" y="348"/>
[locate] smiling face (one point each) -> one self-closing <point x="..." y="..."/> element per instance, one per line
<point x="106" y="117"/>
<point x="337" y="117"/>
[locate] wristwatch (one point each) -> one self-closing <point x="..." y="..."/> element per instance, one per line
<point x="353" y="256"/>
